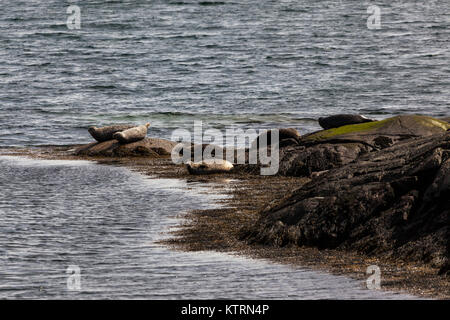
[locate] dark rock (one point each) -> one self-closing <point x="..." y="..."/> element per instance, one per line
<point x="209" y="167"/>
<point x="289" y="134"/>
<point x="447" y="119"/>
<point x="340" y="120"/>
<point x="132" y="135"/>
<point x="304" y="160"/>
<point x="383" y="142"/>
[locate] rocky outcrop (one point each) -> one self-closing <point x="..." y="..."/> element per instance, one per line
<point x="152" y="147"/>
<point x="392" y="202"/>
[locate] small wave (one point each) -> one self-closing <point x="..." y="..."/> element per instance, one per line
<point x="431" y="54"/>
<point x="103" y="87"/>
<point x="211" y="3"/>
<point x="113" y="88"/>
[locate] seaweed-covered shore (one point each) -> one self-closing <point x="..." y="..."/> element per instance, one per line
<point x="345" y="198"/>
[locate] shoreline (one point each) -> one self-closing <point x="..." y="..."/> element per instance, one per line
<point x="219" y="229"/>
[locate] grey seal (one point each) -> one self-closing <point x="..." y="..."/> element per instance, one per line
<point x="106" y="133"/>
<point x="132" y="134"/>
<point x="209" y="166"/>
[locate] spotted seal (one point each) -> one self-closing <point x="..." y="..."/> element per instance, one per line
<point x="209" y="166"/>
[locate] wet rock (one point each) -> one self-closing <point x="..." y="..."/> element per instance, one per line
<point x="209" y="166"/>
<point x="304" y="160"/>
<point x="392" y="202"/>
<point x="286" y="136"/>
<point x="152" y="147"/>
<point x="447" y="119"/>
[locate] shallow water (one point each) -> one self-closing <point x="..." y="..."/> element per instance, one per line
<point x="105" y="220"/>
<point x="241" y="64"/>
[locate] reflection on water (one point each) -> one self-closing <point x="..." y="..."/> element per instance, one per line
<point x="105" y="220"/>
